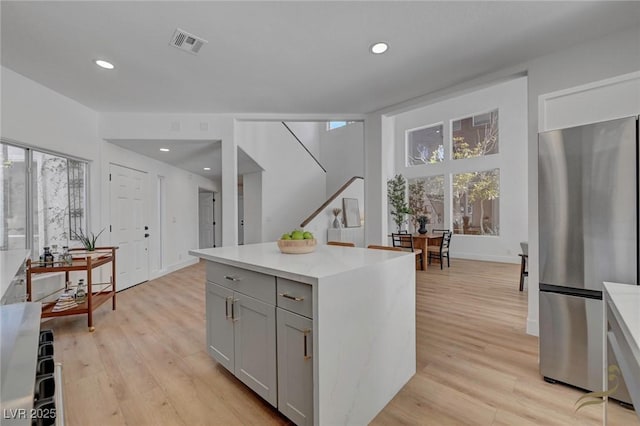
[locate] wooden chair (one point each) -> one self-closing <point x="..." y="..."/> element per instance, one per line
<point x="340" y="243"/>
<point x="405" y="242"/>
<point x="441" y="251"/>
<point x="524" y="271"/>
<point x="373" y="246"/>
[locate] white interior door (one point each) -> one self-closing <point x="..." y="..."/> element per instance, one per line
<point x="128" y="223"/>
<point x="205" y="216"/>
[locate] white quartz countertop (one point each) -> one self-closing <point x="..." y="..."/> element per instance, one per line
<point x="10" y="261"/>
<point x="309" y="268"/>
<point x="624" y="301"/>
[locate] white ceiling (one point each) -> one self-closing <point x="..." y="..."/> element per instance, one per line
<point x="284" y="57"/>
<point x="279" y="57"/>
<point x="189" y="155"/>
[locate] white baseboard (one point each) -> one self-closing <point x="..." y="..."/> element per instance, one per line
<point x="174" y="267"/>
<point x="486" y="258"/>
<point x="532" y="327"/>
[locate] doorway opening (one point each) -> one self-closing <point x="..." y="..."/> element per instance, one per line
<point x="240" y="211"/>
<point x="206" y="218"/>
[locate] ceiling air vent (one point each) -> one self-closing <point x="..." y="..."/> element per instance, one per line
<point x="187" y="42"/>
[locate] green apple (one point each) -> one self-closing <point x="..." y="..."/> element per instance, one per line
<point x="285" y="237"/>
<point x="297" y="235"/>
<point x="307" y="236"/>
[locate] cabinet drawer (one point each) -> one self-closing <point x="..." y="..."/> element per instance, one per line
<point x="295" y="297"/>
<point x="254" y="284"/>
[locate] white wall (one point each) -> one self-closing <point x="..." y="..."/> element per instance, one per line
<point x="253" y="196"/>
<point x="510" y="98"/>
<point x="293" y="184"/>
<point x="309" y="134"/>
<point x="35" y="115"/>
<point x="342" y="154"/>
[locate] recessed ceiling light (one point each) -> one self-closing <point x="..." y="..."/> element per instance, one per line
<point x="104" y="64"/>
<point x="165" y="149"/>
<point x="207" y="168"/>
<point x="379" y="48"/>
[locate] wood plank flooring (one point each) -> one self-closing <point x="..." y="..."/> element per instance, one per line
<point x="146" y="363"/>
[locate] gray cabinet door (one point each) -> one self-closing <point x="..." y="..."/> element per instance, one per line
<point x="295" y="367"/>
<point x="255" y="346"/>
<point x="220" y="325"/>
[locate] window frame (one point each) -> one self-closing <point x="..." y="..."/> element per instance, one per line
<point x="472" y="116"/>
<point x="415" y="129"/>
<point x="29" y="186"/>
<point x="480" y="169"/>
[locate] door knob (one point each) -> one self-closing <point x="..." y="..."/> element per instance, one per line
<point x="146" y="235"/>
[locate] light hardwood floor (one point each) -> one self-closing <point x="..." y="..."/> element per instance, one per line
<point x="146" y="362"/>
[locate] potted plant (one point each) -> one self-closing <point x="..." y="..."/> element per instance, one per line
<point x="396" y="193"/>
<point x="417" y="201"/>
<point x="336" y="221"/>
<point x="89" y="240"/>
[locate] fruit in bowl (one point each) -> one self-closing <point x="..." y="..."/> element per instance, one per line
<point x="297" y="242"/>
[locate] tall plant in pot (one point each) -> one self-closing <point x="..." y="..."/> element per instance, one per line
<point x="417" y="202"/>
<point x="396" y="193"/>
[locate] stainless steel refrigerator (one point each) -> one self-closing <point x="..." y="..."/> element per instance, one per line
<point x="588" y="233"/>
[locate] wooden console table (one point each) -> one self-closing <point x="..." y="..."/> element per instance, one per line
<point x="82" y="261"/>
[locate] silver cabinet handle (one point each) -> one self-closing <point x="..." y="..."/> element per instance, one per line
<point x="233" y="309"/>
<point x="294" y="298"/>
<point x="232" y="277"/>
<point x="226" y="307"/>
<point x="306" y="351"/>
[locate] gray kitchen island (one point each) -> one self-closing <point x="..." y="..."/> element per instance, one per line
<point x="327" y="337"/>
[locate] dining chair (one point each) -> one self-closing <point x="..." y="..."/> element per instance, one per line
<point x="376" y="247"/>
<point x="439" y="230"/>
<point x="441" y="251"/>
<point x="340" y="243"/>
<point x="524" y="256"/>
<point x="405" y="242"/>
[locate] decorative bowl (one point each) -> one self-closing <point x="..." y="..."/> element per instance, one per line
<point x="297" y="246"/>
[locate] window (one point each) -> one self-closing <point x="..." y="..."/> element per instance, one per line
<point x="337" y="124"/>
<point x="59" y="203"/>
<point x="424" y="146"/>
<point x="426" y="198"/>
<point x="476" y="197"/>
<point x="475" y="136"/>
<point x="13" y="215"/>
<point x="57" y="188"/>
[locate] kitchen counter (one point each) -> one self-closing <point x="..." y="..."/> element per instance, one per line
<point x="308" y="268"/>
<point x="358" y="315"/>
<point x="623" y="315"/>
<point x="19" y="334"/>
<point x="10" y="263"/>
